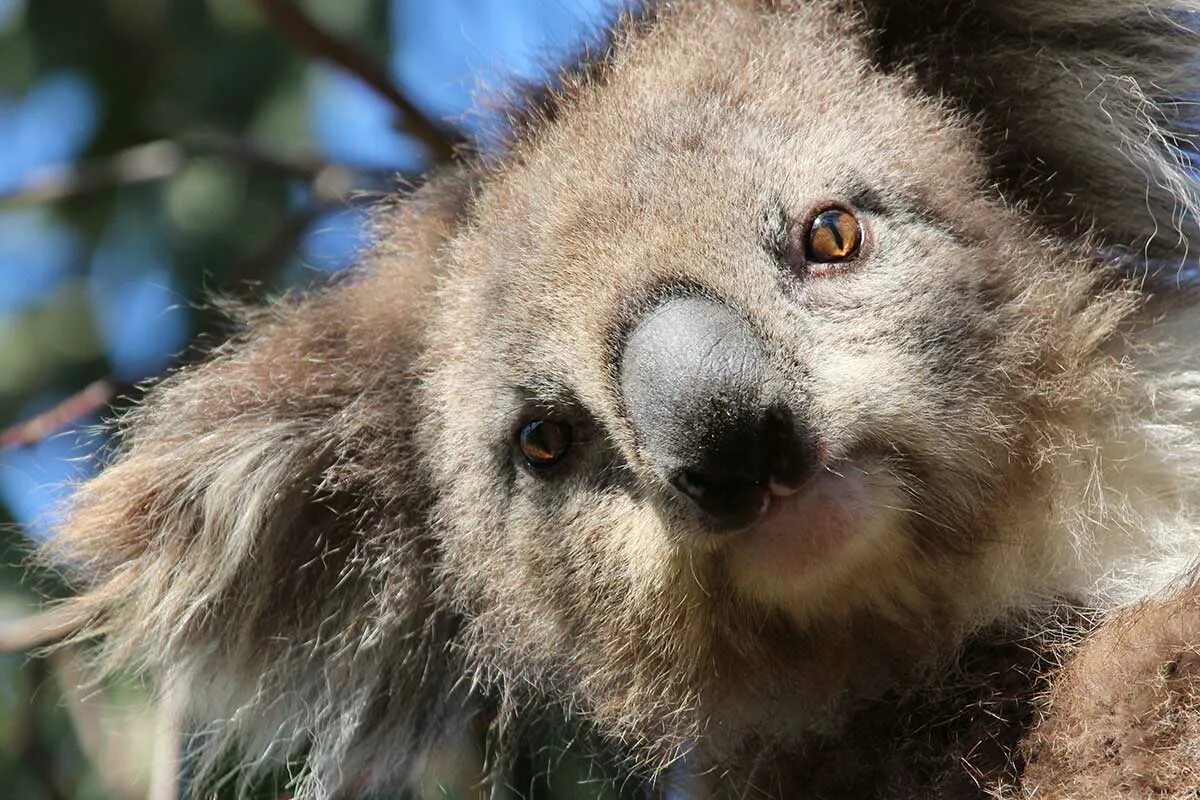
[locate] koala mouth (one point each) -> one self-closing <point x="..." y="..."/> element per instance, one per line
<point x="808" y="542"/>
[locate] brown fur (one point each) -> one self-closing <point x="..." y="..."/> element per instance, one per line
<point x="326" y="532"/>
<point x="1123" y="718"/>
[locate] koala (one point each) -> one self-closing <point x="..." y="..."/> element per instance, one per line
<point x="804" y="402"/>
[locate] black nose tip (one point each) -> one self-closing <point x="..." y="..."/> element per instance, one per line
<point x="705" y="404"/>
<point x="735" y="470"/>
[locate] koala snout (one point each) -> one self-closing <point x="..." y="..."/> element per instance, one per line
<point x="708" y="411"/>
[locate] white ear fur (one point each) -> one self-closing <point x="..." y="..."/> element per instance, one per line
<point x="1089" y="105"/>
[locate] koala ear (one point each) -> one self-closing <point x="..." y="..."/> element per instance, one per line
<point x="1087" y="106"/>
<point x="260" y="536"/>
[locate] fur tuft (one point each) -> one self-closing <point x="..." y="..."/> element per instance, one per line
<point x="1088" y="107"/>
<point x="256" y="544"/>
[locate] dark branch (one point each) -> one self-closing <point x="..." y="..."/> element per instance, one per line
<point x="294" y="23"/>
<point x="283" y="242"/>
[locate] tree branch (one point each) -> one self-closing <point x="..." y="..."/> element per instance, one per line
<point x="102" y="727"/>
<point x="294" y="23"/>
<point x="162" y="159"/>
<point x="88" y="400"/>
<point x="166" y="765"/>
<point x="144" y="163"/>
<point x="279" y="247"/>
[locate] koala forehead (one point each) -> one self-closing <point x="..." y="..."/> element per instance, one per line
<point x="671" y="171"/>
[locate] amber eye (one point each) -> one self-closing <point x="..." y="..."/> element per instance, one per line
<point x="544" y="442"/>
<point x="835" y="235"/>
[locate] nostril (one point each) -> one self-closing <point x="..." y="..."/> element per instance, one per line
<point x="732" y="503"/>
<point x="735" y="471"/>
<point x="791" y="454"/>
<point x="693" y="484"/>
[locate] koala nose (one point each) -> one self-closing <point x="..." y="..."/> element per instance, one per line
<point x="706" y="406"/>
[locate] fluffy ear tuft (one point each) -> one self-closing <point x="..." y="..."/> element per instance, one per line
<point x="1088" y="106"/>
<point x="260" y="535"/>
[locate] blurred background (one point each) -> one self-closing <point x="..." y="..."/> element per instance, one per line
<point x="154" y="153"/>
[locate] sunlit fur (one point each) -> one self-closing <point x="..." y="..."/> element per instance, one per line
<point x="325" y="532"/>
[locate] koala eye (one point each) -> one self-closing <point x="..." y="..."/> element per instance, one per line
<point x="834" y="235"/>
<point x="543" y="442"/>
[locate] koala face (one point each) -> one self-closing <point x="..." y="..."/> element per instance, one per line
<point x="739" y="384"/>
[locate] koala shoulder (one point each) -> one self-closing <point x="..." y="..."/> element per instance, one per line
<point x="1122" y="718"/>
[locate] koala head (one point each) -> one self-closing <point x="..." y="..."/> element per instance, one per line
<point x="747" y="369"/>
<point x="743" y="385"/>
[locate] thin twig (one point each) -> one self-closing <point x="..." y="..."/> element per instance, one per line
<point x="294" y="23"/>
<point x="329" y="182"/>
<point x="97" y="395"/>
<point x="38" y="629"/>
<point x="144" y="163"/>
<point x="165" y="158"/>
<point x="92" y="398"/>
<point x="246" y="151"/>
<point x="282" y="244"/>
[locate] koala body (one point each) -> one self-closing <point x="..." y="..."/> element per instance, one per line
<point x="789" y="348"/>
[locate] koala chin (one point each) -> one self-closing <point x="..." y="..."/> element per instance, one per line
<point x="804" y="402"/>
